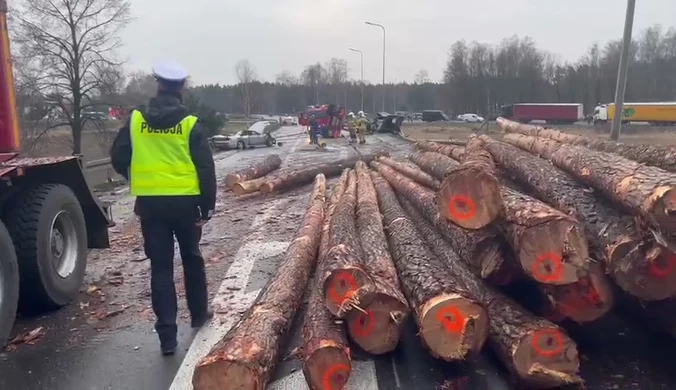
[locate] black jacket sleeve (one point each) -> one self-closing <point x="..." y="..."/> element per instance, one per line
<point x="120" y="152"/>
<point x="206" y="170"/>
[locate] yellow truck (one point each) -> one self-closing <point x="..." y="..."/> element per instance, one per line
<point x="658" y="114"/>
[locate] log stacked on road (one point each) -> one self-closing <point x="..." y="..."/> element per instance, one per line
<point x="298" y="177"/>
<point x="247" y="354"/>
<point x="250" y="186"/>
<point x="452" y="151"/>
<point x="470" y="194"/>
<point x="538" y="353"/>
<point x="485" y="248"/>
<point x="345" y="283"/>
<point x="326" y="355"/>
<point x="647" y="191"/>
<point x="452" y="325"/>
<point x="550" y="246"/>
<point x="630" y="255"/>
<point x="662" y="156"/>
<point x="411" y="172"/>
<point x="259" y="169"/>
<point x="377" y="329"/>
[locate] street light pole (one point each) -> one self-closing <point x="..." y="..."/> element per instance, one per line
<point x="362" y="76"/>
<point x="383" y="27"/>
<point x="622" y="72"/>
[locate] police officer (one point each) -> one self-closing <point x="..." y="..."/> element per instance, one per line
<point x="164" y="153"/>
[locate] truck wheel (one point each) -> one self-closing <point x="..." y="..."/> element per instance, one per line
<point x="9" y="284"/>
<point x="48" y="228"/>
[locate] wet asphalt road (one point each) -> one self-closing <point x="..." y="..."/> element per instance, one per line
<point x="615" y="353"/>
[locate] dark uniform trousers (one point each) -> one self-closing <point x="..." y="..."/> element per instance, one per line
<point x="158" y="237"/>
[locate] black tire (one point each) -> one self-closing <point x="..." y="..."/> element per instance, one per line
<point x="9" y="284"/>
<point x="35" y="217"/>
<point x="241" y="145"/>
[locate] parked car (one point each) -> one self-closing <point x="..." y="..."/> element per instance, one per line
<point x="471" y="118"/>
<point x="257" y="135"/>
<point x="434" y="116"/>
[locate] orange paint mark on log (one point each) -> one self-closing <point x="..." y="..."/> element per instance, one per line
<point x="335" y="374"/>
<point x="461" y="207"/>
<point x="663" y="269"/>
<point x="551" y="262"/>
<point x="553" y="340"/>
<point x="341" y="281"/>
<point x="364" y="325"/>
<point x="451" y="318"/>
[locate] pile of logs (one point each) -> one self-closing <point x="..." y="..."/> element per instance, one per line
<point x="435" y="236"/>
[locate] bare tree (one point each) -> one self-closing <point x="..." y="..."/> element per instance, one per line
<point x="73" y="43"/>
<point x="246" y="74"/>
<point x="422" y="77"/>
<point x="286" y="78"/>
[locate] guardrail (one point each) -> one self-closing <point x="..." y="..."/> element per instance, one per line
<point x="97" y="163"/>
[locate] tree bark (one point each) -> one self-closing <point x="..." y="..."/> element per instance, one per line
<point x="538" y="353"/>
<point x="453" y="151"/>
<point x="646" y="191"/>
<point x="345" y="284"/>
<point x="246" y="356"/>
<point x="326" y="354"/>
<point x="377" y="330"/>
<point x="302" y="176"/>
<point x="452" y="325"/>
<point x="485" y="248"/>
<point x="631" y="257"/>
<point x="470" y="194"/>
<point x="255" y="171"/>
<point x="412" y="173"/>
<point x="436" y="164"/>
<point x="662" y="156"/>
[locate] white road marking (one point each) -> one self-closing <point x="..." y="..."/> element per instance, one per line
<point x="363" y="377"/>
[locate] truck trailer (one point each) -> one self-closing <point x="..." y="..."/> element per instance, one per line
<point x="552" y="113"/>
<point x="657" y="114"/>
<point x="49" y="216"/>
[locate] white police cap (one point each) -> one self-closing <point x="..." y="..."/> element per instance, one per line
<point x="170" y="71"/>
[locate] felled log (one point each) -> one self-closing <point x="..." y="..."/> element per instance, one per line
<point x="246" y="356"/>
<point x="662" y="156"/>
<point x="632" y="258"/>
<point x="259" y="169"/>
<point x="411" y="172"/>
<point x="538" y="353"/>
<point x="452" y="151"/>
<point x="305" y="175"/>
<point x="646" y="191"/>
<point x="550" y="249"/>
<point x="376" y="330"/>
<point x="345" y="283"/>
<point x="470" y="194"/>
<point x="452" y="325"/>
<point x="326" y="355"/>
<point x="249" y="186"/>
<point x="485" y="248"/>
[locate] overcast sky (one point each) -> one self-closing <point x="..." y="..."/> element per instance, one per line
<point x="209" y="36"/>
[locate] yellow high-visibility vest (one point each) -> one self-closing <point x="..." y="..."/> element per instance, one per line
<point x="161" y="164"/>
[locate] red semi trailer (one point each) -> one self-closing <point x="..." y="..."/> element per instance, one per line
<point x="553" y="113"/>
<point x="49" y="216"/>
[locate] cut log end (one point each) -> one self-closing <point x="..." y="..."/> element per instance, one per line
<point x="587" y="300"/>
<point x="553" y="252"/>
<point x="231" y="179"/>
<point x="664" y="207"/>
<point x="246" y="187"/>
<point x="346" y="289"/>
<point x="547" y="358"/>
<point x="377" y="330"/>
<point x="644" y="271"/>
<point x="453" y="327"/>
<point x="226" y="375"/>
<point x="327" y="368"/>
<point x="470" y="198"/>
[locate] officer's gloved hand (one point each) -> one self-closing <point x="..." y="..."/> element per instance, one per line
<point x="205" y="216"/>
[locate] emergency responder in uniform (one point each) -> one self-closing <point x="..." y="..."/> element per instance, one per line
<point x="352" y="127"/>
<point x="361" y="127"/>
<point x="164" y="153"/>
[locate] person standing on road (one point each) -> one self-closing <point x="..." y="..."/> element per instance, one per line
<point x="163" y="151"/>
<point x="314" y="131"/>
<point x="361" y="127"/>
